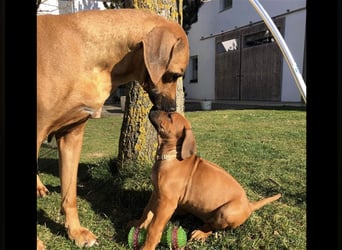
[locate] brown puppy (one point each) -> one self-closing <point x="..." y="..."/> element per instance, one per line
<point x="186" y="182"/>
<point x="81" y="58"/>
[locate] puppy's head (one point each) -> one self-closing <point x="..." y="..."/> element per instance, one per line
<point x="166" y="56"/>
<point x="174" y="132"/>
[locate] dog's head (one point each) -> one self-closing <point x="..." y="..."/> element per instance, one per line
<point x="174" y="132"/>
<point x="166" y="56"/>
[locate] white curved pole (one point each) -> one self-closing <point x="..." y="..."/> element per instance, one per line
<point x="283" y="47"/>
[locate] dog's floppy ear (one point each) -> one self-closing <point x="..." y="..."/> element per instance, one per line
<point x="158" y="47"/>
<point x="189" y="144"/>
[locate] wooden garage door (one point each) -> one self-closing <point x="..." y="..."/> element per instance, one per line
<point x="248" y="64"/>
<point x="227" y="66"/>
<point x="261" y="64"/>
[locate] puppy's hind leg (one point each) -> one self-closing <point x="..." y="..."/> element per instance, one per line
<point x="230" y="215"/>
<point x="202" y="232"/>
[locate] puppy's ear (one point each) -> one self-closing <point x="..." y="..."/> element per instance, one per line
<point x="189" y="144"/>
<point x="158" y="47"/>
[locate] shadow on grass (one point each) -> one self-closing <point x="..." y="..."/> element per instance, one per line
<point x="107" y="193"/>
<point x="296" y="196"/>
<point x="119" y="196"/>
<point x="55" y="228"/>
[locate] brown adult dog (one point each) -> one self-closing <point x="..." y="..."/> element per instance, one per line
<point x="81" y="58"/>
<point x="188" y="183"/>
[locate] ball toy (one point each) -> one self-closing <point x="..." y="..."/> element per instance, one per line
<point x="136" y="237"/>
<point x="172" y="237"/>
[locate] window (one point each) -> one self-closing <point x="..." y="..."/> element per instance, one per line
<point x="226" y="4"/>
<point x="259" y="38"/>
<point x="194" y="68"/>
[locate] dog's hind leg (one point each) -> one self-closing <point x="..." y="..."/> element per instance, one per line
<point x="41" y="189"/>
<point x="69" y="148"/>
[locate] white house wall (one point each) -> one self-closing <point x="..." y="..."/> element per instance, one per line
<point x="48" y="7"/>
<point x="80" y="5"/>
<point x="56" y="7"/>
<point x="295" y="40"/>
<point x="212" y="22"/>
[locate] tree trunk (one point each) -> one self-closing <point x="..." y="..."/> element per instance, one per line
<point x="138" y="142"/>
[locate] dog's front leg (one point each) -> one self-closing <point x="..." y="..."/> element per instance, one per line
<point x="69" y="147"/>
<point x="163" y="211"/>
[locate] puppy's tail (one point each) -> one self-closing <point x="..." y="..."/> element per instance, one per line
<point x="259" y="204"/>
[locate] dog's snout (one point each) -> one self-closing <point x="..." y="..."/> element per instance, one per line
<point x="162" y="102"/>
<point x="168" y="105"/>
<point x="171" y="110"/>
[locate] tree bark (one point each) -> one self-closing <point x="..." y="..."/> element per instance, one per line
<point x="137" y="142"/>
<point x="138" y="139"/>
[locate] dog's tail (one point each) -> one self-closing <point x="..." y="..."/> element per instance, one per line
<point x="259" y="204"/>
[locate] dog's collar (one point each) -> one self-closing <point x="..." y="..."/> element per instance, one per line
<point x="163" y="157"/>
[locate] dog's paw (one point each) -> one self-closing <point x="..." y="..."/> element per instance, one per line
<point x="83" y="237"/>
<point x="40" y="245"/>
<point x="41" y="189"/>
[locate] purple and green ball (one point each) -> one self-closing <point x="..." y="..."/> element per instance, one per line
<point x="172" y="237"/>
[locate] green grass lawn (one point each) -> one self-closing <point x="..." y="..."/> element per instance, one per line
<point x="265" y="150"/>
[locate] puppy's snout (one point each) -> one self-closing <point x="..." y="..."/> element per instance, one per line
<point x="153" y="114"/>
